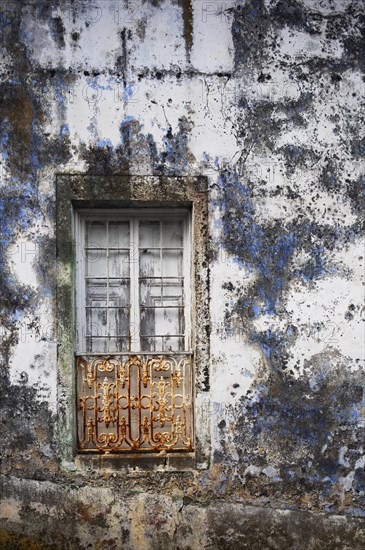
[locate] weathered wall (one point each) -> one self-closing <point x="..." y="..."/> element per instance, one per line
<point x="263" y="97"/>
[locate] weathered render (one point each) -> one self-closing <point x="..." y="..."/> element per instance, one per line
<point x="262" y="100"/>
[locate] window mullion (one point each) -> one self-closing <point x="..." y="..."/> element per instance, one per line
<point x="134" y="328"/>
<point x="107" y="286"/>
<point x="161" y="286"/>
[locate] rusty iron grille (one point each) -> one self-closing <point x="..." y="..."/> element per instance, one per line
<point x="134" y="402"/>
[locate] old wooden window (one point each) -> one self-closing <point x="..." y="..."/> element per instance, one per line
<point x="133" y="357"/>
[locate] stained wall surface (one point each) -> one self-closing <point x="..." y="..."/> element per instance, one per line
<point x="265" y="99"/>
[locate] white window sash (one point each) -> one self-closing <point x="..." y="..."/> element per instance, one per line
<point x="133" y="216"/>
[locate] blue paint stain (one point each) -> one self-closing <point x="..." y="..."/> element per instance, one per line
<point x="64" y="131"/>
<point x="17" y="315"/>
<point x="266" y="250"/>
<point x="95" y="85"/>
<point x="24" y="35"/>
<point x="103" y="143"/>
<point x="4" y="138"/>
<point x="127" y="131"/>
<point x="128" y="91"/>
<point x="167" y="141"/>
<point x="60" y="89"/>
<point x="127" y="120"/>
<point x="5" y="19"/>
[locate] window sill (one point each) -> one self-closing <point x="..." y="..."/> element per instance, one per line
<point x="135" y="463"/>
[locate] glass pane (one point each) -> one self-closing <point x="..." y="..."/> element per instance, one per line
<point x="168" y="321"/>
<point x="96" y="292"/>
<point x="172" y="263"/>
<point x="172" y="292"/>
<point x="173" y="343"/>
<point x="96" y="344"/>
<point x="149" y="234"/>
<point x="172" y="233"/>
<point x="96" y="234"/>
<point x="119" y="234"/>
<point x="149" y="263"/>
<point x="147" y="322"/>
<point x="96" y="263"/>
<point x="118" y="263"/>
<point x="150" y="291"/>
<point x="119" y="322"/>
<point x="118" y="345"/>
<point x="151" y="344"/>
<point x="96" y="320"/>
<point x="119" y="293"/>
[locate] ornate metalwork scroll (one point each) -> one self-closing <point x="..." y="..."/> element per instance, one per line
<point x="134" y="403"/>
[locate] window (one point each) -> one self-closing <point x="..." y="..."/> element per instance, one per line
<point x="133" y="374"/>
<point x="134" y="361"/>
<point x="134" y="281"/>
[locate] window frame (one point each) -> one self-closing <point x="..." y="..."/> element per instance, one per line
<point x="132" y="215"/>
<point x="79" y="191"/>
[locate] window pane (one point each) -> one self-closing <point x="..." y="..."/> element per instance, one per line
<point x="118" y="345"/>
<point x="151" y="344"/>
<point x="147" y="323"/>
<point x="119" y="234"/>
<point x="95" y="344"/>
<point x="150" y="291"/>
<point x="161" y="321"/>
<point x="173" y="343"/>
<point x="167" y="321"/>
<point x="172" y="292"/>
<point x="172" y="234"/>
<point x="119" y="293"/>
<point x="149" y="263"/>
<point x="149" y="234"/>
<point x="172" y="263"/>
<point x="96" y="321"/>
<point x="96" y="263"/>
<point x="96" y="234"/>
<point x="96" y="292"/>
<point x="119" y="322"/>
<point x="118" y="263"/>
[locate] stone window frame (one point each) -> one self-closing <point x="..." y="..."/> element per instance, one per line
<point x="77" y="191"/>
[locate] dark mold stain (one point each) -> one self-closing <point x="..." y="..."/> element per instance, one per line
<point x="259" y="123"/>
<point x="250" y="27"/>
<point x="27" y="443"/>
<point x="104" y="158"/>
<point x="268" y="249"/>
<point x="355" y="43"/>
<point x="188" y="25"/>
<point x="75" y="36"/>
<point x="176" y="156"/>
<point x="58" y="31"/>
<point x="294" y="14"/>
<point x="305" y="422"/>
<point x="24" y="107"/>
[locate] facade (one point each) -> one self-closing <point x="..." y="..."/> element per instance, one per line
<point x="182" y="257"/>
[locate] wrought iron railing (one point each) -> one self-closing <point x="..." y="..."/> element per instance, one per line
<point x="134" y="403"/>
